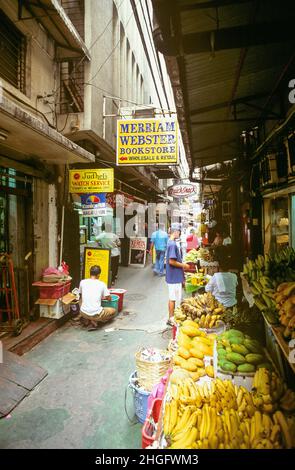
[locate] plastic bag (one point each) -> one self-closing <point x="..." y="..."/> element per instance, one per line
<point x="158" y="390"/>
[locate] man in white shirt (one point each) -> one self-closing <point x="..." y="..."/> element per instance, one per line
<point x="93" y="291"/>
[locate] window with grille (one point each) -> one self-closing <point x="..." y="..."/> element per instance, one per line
<point x="72" y="86"/>
<point x="12" y="53"/>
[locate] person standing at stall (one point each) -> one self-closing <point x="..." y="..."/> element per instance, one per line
<point x="107" y="239"/>
<point x="174" y="272"/>
<point x="223" y="285"/>
<point x="159" y="240"/>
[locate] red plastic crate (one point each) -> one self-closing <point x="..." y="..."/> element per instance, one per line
<point x="148" y="427"/>
<point x="49" y="290"/>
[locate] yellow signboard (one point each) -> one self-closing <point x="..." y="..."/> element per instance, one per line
<point x="100" y="257"/>
<point x="147" y="142"/>
<point x="91" y="180"/>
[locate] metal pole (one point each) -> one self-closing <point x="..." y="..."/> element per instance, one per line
<point x="62" y="234"/>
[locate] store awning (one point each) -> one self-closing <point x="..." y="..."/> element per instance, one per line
<point x="24" y="137"/>
<point x="51" y="15"/>
<point x="229" y="63"/>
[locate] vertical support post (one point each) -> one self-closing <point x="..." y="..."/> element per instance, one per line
<point x="104" y="118"/>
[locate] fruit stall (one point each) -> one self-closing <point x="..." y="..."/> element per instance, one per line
<point x="271" y="280"/>
<point x="224" y="389"/>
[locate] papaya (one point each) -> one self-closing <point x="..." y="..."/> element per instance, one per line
<point x="246" y="367"/>
<point x="184" y="340"/>
<point x="185" y="364"/>
<point x="221" y="352"/>
<point x="183" y="352"/>
<point x="190" y="331"/>
<point x="200" y="339"/>
<point x="177" y="360"/>
<point x="196" y="361"/>
<point x="195" y="352"/>
<point x="225" y="343"/>
<point x="190" y="323"/>
<point x="201" y="372"/>
<point x="233" y="332"/>
<point x="236" y="340"/>
<point x="228" y="349"/>
<point x="254" y="358"/>
<point x="229" y="366"/>
<point x="253" y="346"/>
<point x="240" y="348"/>
<point x="236" y="358"/>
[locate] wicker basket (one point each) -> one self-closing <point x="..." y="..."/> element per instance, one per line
<point x="150" y="373"/>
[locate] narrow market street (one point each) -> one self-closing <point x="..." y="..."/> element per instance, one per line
<point x="80" y="404"/>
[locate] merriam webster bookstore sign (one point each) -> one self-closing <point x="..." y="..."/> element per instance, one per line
<point x="147" y="142"/>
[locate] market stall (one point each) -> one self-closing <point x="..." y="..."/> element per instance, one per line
<point x="224" y="389"/>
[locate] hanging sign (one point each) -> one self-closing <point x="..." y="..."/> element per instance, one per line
<point x="93" y="201"/>
<point x="100" y="257"/>
<point x="147" y="142"/>
<point x="95" y="212"/>
<point x="182" y="190"/>
<point x="94" y="180"/>
<point x="137" y="251"/>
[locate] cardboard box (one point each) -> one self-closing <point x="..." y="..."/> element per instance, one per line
<point x="53" y="308"/>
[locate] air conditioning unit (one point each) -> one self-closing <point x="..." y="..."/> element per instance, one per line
<point x="226" y="208"/>
<point x="290" y="147"/>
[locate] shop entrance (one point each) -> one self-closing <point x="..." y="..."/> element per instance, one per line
<point x="16" y="231"/>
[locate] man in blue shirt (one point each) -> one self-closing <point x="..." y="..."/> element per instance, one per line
<point x="159" y="240"/>
<point x="174" y="272"/>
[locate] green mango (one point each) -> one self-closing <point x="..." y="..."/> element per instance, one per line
<point x="240" y="348"/>
<point x="236" y="340"/>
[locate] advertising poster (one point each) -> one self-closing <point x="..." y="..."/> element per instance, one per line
<point x="100" y="257"/>
<point x="147" y="142"/>
<point x="137" y="251"/>
<point x="91" y="180"/>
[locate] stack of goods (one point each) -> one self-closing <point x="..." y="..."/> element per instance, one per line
<point x="265" y="274"/>
<point x="270" y="392"/>
<point x="193" y="346"/>
<point x="285" y="303"/>
<point x="194" y="282"/>
<point x="204" y="310"/>
<point x="220" y="415"/>
<point x="237" y="352"/>
<point x="200" y="254"/>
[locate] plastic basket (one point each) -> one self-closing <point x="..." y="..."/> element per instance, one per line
<point x="150" y="373"/>
<point x="149" y="428"/>
<point x="120" y="293"/>
<point x="111" y="303"/>
<point x="54" y="290"/>
<point x="140" y="398"/>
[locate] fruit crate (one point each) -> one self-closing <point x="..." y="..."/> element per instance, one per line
<point x="238" y="378"/>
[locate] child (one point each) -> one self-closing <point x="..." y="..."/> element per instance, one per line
<point x="223" y="285"/>
<point x="93" y="291"/>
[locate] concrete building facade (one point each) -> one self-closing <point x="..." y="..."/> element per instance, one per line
<point x="65" y="67"/>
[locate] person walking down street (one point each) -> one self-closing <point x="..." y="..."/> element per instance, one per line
<point x="174" y="273"/>
<point x="223" y="285"/>
<point x="159" y="240"/>
<point x="107" y="239"/>
<point x="93" y="291"/>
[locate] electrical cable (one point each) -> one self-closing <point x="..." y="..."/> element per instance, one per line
<point x="113" y="50"/>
